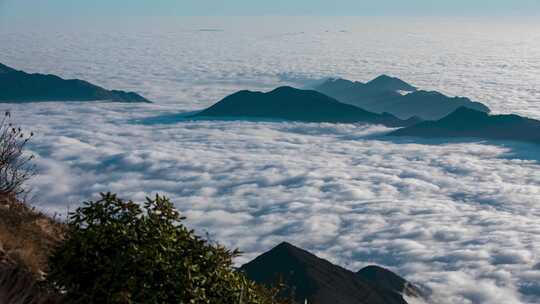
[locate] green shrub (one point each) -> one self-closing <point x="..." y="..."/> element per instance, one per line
<point x="118" y="251"/>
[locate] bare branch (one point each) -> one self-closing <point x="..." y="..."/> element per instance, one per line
<point x="15" y="164"/>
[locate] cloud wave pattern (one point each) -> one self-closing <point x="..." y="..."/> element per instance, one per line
<point x="461" y="218"/>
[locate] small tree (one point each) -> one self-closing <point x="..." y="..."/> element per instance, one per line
<point x="118" y="251"/>
<point x="15" y="168"/>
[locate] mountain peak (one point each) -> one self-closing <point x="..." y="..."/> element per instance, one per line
<point x="317" y="280"/>
<point x="465" y="113"/>
<point x="336" y="85"/>
<point x="385" y="82"/>
<point x="284" y="89"/>
<point x="385" y="77"/>
<point x="287" y="252"/>
<point x="341" y="81"/>
<point x="285" y="246"/>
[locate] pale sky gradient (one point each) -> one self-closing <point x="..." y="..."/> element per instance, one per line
<point x="52" y="10"/>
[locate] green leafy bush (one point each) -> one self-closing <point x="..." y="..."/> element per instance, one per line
<point x="119" y="251"/>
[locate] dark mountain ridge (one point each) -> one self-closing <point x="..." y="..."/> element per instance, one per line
<point x="389" y="83"/>
<point x="296" y="105"/>
<point x="321" y="282"/>
<point x="5" y="69"/>
<point x="386" y="279"/>
<point x="385" y="94"/>
<point x="429" y="105"/>
<point x="465" y="122"/>
<point x="19" y="86"/>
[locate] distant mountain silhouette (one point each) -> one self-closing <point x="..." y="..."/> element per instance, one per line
<point x="321" y="282"/>
<point x="382" y="95"/>
<point x="357" y="93"/>
<point x="18" y="86"/>
<point x="297" y="105"/>
<point x="388" y="83"/>
<point x="465" y="122"/>
<point x="429" y="105"/>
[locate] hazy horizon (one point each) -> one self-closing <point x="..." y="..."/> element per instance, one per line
<point x="29" y="11"/>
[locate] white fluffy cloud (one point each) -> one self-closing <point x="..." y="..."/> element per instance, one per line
<point x="461" y="218"/>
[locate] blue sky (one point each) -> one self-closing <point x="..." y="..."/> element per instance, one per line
<point x="53" y="9"/>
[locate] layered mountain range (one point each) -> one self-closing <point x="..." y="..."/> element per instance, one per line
<point x="386" y="94"/>
<point x="384" y="100"/>
<point x="308" y="277"/>
<point x="297" y="105"/>
<point x="19" y="86"/>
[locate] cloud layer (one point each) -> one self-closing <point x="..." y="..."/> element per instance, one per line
<point x="490" y="60"/>
<point x="462" y="218"/>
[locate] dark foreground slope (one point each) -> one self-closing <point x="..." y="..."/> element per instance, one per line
<point x="18" y="86"/>
<point x="466" y="122"/>
<point x="321" y="282"/>
<point x="27" y="237"/>
<point x="382" y="95"/>
<point x="296" y="105"/>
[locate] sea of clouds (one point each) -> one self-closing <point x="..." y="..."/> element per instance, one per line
<point x="459" y="217"/>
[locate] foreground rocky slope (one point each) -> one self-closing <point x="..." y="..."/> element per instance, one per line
<point x="26" y="240"/>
